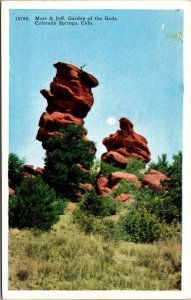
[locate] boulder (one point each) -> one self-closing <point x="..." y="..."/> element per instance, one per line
<point x="38" y="171"/>
<point x="114" y="157"/>
<point x="126" y="143"/>
<point x="82" y="168"/>
<point x="28" y="170"/>
<point x="102" y="185"/>
<point x="115" y="177"/>
<point x="125" y="198"/>
<point x="153" y="180"/>
<point x="11" y="192"/>
<point x="57" y="119"/>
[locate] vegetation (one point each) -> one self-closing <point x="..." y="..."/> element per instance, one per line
<point x="103" y="244"/>
<point x="64" y="153"/>
<point x="173" y="171"/>
<point x="15" y="170"/>
<point x="96" y="205"/>
<point x="107" y="169"/>
<point x="67" y="259"/>
<point x="35" y="205"/>
<point x="135" y="166"/>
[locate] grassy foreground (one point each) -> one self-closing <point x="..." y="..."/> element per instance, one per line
<point x="67" y="259"/>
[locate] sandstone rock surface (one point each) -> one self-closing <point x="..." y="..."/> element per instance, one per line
<point x="11" y="192"/>
<point x="153" y="180"/>
<point x="115" y="177"/>
<point x="102" y="185"/>
<point x="124" y="144"/>
<point x="125" y="198"/>
<point x="29" y="170"/>
<point x="69" y="100"/>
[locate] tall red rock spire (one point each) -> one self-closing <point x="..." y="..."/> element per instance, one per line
<point x="69" y="99"/>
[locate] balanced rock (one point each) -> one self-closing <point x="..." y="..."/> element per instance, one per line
<point x="153" y="180"/>
<point x="69" y="100"/>
<point x="125" y="144"/>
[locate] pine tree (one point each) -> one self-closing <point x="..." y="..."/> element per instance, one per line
<point x="16" y="166"/>
<point x="69" y="157"/>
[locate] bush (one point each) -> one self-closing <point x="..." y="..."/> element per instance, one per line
<point x="138" y="226"/>
<point x="125" y="187"/>
<point x="107" y="169"/>
<point x="35" y="205"/>
<point x="134" y="166"/>
<point x="64" y="152"/>
<point x="162" y="165"/>
<point x="91" y="224"/>
<point x="175" y="184"/>
<point x="97" y="205"/>
<point x="159" y="204"/>
<point x="15" y="172"/>
<point x="174" y="171"/>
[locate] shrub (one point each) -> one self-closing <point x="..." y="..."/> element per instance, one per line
<point x="35" y="205"/>
<point x="15" y="172"/>
<point x="138" y="226"/>
<point x="162" y="165"/>
<point x="134" y="166"/>
<point x="174" y="171"/>
<point x="95" y="169"/>
<point x="159" y="204"/>
<point x="97" y="205"/>
<point x="107" y="169"/>
<point x="124" y="187"/>
<point x="175" y="184"/>
<point x="91" y="224"/>
<point x="64" y="151"/>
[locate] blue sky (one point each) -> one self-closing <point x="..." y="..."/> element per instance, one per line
<point x="138" y="67"/>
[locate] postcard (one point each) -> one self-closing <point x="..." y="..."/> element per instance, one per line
<point x="96" y="150"/>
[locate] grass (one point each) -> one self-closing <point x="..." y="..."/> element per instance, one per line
<point x="67" y="259"/>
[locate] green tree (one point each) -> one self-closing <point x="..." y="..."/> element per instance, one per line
<point x="162" y="165"/>
<point x="96" y="205"/>
<point x="134" y="166"/>
<point x="175" y="184"/>
<point x="69" y="158"/>
<point x="139" y="226"/>
<point x="35" y="205"/>
<point x="15" y="170"/>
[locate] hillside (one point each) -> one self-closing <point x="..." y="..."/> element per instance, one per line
<point x="67" y="259"/>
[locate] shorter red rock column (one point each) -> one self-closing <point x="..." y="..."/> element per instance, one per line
<point x="125" y="144"/>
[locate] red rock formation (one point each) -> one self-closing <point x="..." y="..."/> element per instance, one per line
<point x="102" y="186"/>
<point x="153" y="180"/>
<point x="38" y="171"/>
<point x="11" y="192"/>
<point x="28" y="170"/>
<point x="125" y="198"/>
<point x="69" y="100"/>
<point x="124" y="144"/>
<point x="115" y="177"/>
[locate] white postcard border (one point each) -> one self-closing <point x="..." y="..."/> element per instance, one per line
<point x="185" y="293"/>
